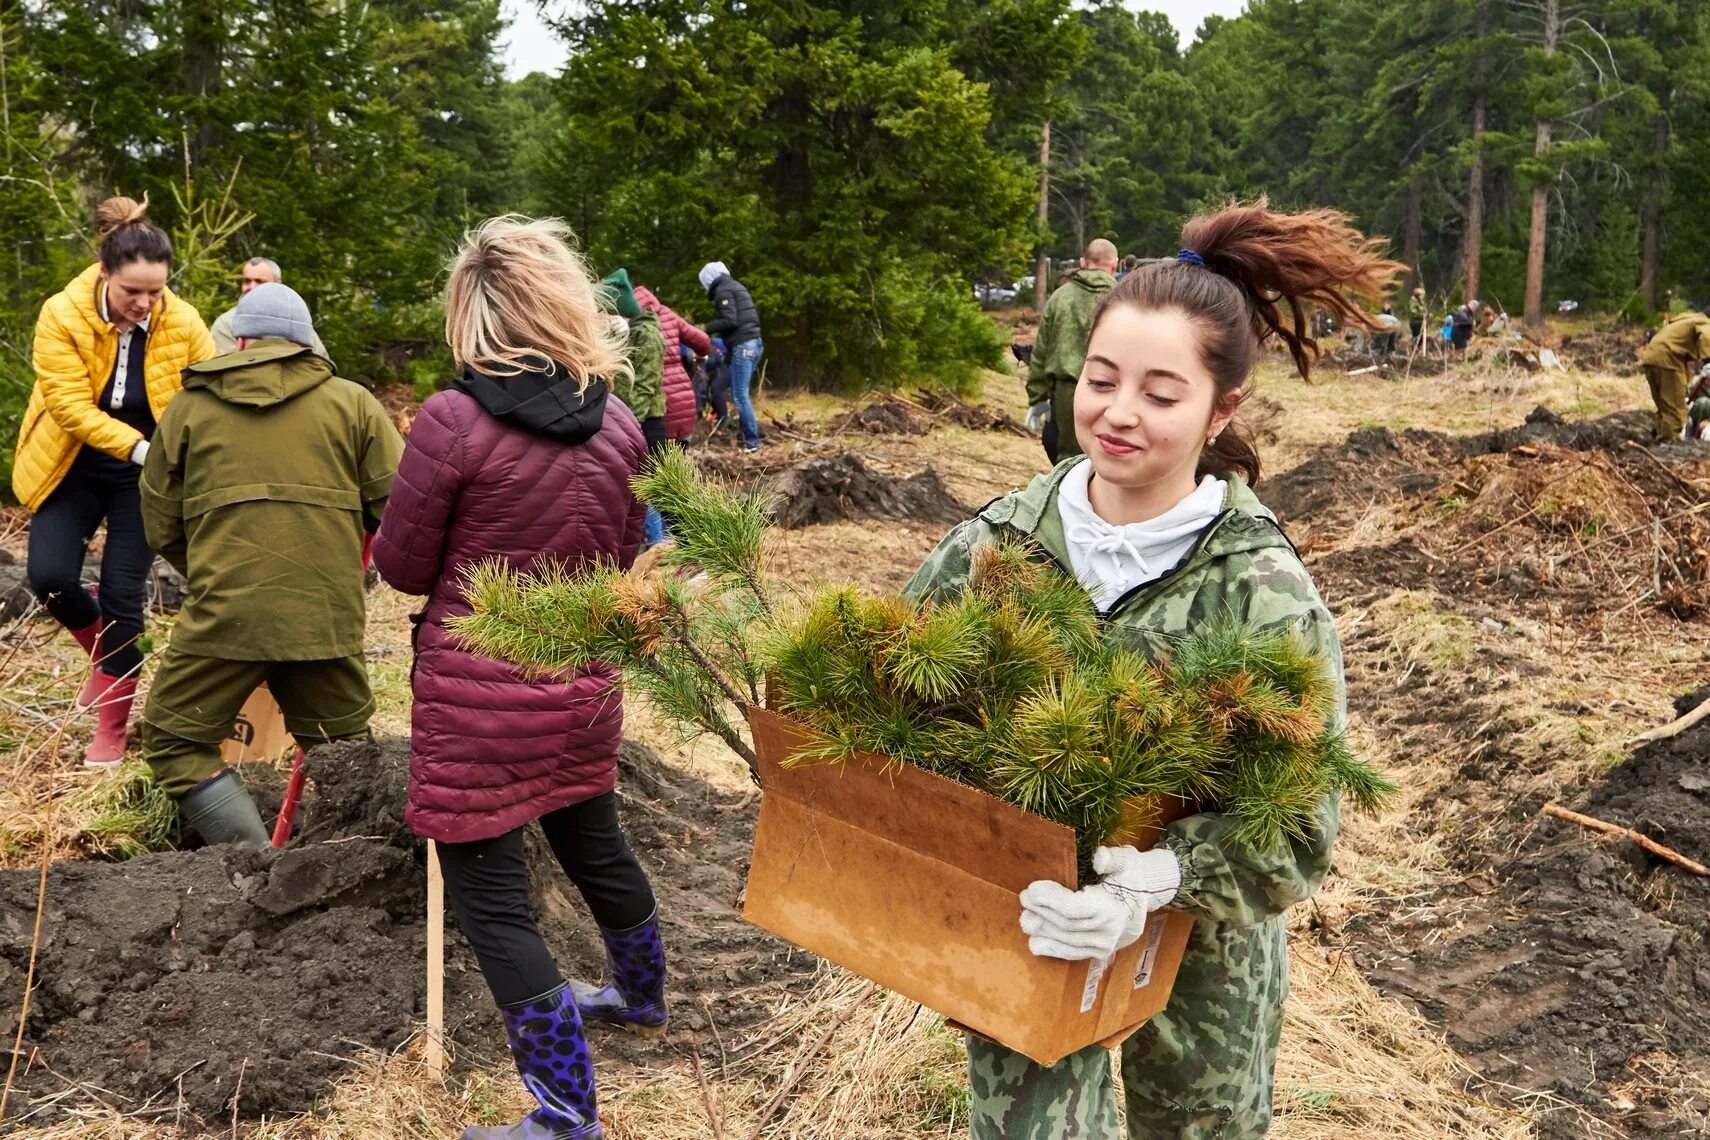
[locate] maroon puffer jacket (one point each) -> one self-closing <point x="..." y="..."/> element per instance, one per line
<point x="679" y="389"/>
<point x="526" y="471"/>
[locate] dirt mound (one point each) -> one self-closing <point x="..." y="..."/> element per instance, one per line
<point x="975" y="417"/>
<point x="882" y="417"/>
<point x="840" y="486"/>
<point x="1579" y="962"/>
<point x="167" y="979"/>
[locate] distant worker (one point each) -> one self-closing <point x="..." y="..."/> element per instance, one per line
<point x="265" y="475"/>
<point x="1417" y="311"/>
<point x="1387" y="333"/>
<point x="1667" y="361"/>
<point x="738" y="323"/>
<point x="108" y="352"/>
<point x="684" y="345"/>
<point x="1461" y="323"/>
<point x="1698" y="406"/>
<point x="256" y="271"/>
<point x="1060" y="349"/>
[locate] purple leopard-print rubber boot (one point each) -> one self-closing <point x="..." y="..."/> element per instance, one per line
<point x="552" y="1059"/>
<point x="634" y="999"/>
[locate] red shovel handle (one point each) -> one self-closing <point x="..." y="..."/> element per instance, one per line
<point x="288" y="808"/>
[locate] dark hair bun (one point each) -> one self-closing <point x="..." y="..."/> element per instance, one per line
<point x="124" y="234"/>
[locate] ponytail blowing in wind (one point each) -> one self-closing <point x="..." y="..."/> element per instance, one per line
<point x="1247" y="274"/>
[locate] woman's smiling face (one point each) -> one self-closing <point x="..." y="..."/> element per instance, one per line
<point x="1146" y="405"/>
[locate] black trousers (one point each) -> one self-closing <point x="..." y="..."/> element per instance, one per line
<point x="487" y="882"/>
<point x="59" y="537"/>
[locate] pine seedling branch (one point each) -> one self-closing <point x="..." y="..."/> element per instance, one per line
<point x="1013" y="686"/>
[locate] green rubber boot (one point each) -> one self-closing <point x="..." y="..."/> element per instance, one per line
<point x="220" y="811"/>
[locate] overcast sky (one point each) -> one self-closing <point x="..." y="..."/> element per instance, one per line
<point x="529" y="46"/>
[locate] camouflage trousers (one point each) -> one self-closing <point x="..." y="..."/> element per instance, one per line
<point x="1201" y="1070"/>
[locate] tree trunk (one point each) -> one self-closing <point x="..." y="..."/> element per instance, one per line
<point x="1042" y="267"/>
<point x="1541" y="192"/>
<point x="1473" y="246"/>
<point x="1649" y="288"/>
<point x="1410" y="238"/>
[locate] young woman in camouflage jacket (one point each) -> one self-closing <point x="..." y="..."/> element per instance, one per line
<point x="1160" y="525"/>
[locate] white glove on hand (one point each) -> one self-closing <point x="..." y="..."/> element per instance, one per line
<point x="1037" y="415"/>
<point x="1097" y="921"/>
<point x="139" y="453"/>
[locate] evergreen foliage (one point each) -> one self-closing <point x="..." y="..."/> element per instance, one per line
<point x="1013" y="687"/>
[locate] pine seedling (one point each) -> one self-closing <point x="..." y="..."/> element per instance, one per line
<point x="719" y="531"/>
<point x="1055" y="736"/>
<point x="937" y="653"/>
<point x="1368" y="788"/>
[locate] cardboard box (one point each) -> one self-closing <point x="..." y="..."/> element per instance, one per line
<point x="911" y="880"/>
<point x="259" y="733"/>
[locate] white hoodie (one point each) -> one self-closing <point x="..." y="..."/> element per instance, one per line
<point x="1111" y="560"/>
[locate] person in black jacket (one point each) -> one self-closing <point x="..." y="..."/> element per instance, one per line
<point x="735" y="320"/>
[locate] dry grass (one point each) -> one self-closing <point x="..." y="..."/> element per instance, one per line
<point x="850" y="1061"/>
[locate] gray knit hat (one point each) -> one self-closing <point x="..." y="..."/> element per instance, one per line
<point x="273" y="310"/>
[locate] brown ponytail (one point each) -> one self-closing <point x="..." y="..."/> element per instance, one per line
<point x="1237" y="267"/>
<point x="124" y="234"/>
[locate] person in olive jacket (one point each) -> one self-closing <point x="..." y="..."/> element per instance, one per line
<point x="265" y="473"/>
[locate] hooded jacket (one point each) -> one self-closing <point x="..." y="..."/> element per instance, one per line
<point x="644" y="389"/>
<point x="526" y="470"/>
<point x="1060" y="349"/>
<point x="679" y="388"/>
<point x="1684" y="339"/>
<point x="75" y="346"/>
<point x="1225" y="1013"/>
<point x="734" y="316"/>
<point x="264" y="474"/>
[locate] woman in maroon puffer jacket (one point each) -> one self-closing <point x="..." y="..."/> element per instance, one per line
<point x="525" y="459"/>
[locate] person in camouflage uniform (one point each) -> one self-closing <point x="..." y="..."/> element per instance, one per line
<point x="1060" y="346"/>
<point x="1202" y="1067"/>
<point x="1155" y="406"/>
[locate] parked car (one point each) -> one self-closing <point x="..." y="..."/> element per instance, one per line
<point x="991" y="294"/>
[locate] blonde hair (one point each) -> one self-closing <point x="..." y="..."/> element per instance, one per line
<point x="520" y="299"/>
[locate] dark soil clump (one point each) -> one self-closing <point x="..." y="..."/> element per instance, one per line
<point x="840" y="486"/>
<point x="161" y="980"/>
<point x="1579" y="957"/>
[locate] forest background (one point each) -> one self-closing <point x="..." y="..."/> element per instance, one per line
<point x="859" y="164"/>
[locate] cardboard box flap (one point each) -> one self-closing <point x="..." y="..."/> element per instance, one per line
<point x="991" y="840"/>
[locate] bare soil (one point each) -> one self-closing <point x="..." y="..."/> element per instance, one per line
<point x="168" y="980"/>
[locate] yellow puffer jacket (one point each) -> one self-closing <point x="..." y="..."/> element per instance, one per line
<point x="74" y="352"/>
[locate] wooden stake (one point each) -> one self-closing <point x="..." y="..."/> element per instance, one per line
<point x="1674" y="727"/>
<point x="1644" y="841"/>
<point x="434" y="1055"/>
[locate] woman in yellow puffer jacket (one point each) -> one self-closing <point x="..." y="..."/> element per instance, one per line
<point x="109" y="349"/>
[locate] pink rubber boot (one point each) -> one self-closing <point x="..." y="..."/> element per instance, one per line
<point x="89" y="637"/>
<point x="113" y="715"/>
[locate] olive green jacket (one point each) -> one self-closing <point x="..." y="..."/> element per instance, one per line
<point x="1226" y="1008"/>
<point x="263" y="475"/>
<point x="1684" y="339"/>
<point x="645" y="392"/>
<point x="1060" y="349"/>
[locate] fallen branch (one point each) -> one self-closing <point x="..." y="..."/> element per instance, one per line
<point x="1674" y="727"/>
<point x="1644" y="841"/>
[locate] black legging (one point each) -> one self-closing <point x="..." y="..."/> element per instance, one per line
<point x="60" y="532"/>
<point x="487" y="881"/>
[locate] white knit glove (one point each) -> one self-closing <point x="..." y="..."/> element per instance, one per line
<point x="1038" y="415"/>
<point x="1097" y="921"/>
<point x="139" y="453"/>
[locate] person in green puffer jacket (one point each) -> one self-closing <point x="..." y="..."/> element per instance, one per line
<point x="264" y="475"/>
<point x="1159" y="523"/>
<point x="1061" y="345"/>
<point x="643" y="392"/>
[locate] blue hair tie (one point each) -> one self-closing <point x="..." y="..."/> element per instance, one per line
<point x="1190" y="257"/>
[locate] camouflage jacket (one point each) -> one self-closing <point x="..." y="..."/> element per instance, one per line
<point x="1060" y="348"/>
<point x="1241" y="565"/>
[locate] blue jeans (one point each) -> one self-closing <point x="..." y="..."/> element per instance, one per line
<point x="744" y="359"/>
<point x="655" y="528"/>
